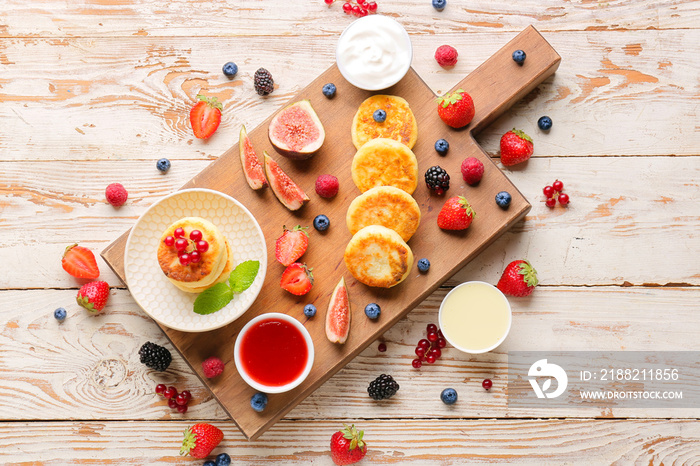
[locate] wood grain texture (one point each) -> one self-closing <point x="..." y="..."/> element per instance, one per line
<point x="129" y="98"/>
<point x="411" y="442"/>
<point x="87" y="368"/>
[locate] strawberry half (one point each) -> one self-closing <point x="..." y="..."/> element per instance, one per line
<point x="456" y="214"/>
<point x="291" y="245"/>
<point x="205" y="116"/>
<point x="518" y="279"/>
<point x="456" y="109"/>
<point x="297" y="279"/>
<point x="200" y="440"/>
<point x="93" y="296"/>
<point x="80" y="262"/>
<point x="516" y="147"/>
<point x="347" y="446"/>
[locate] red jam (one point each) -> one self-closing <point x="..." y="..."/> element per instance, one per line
<point x="273" y="352"/>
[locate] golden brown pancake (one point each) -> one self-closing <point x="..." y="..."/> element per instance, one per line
<point x="208" y="269"/>
<point x="377" y="256"/>
<point x="385" y="162"/>
<point x="391" y="207"/>
<point x="400" y="124"/>
<point x="222" y="278"/>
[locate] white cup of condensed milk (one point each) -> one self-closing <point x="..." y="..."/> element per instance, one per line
<point x="374" y="52"/>
<point x="475" y="317"/>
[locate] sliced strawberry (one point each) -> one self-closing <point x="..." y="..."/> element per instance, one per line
<point x="291" y="245"/>
<point x="80" y="262"/>
<point x="205" y="116"/>
<point x="297" y="279"/>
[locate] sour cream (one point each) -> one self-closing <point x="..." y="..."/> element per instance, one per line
<point x="374" y="52"/>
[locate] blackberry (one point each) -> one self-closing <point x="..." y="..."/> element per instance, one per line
<point x="382" y="387"/>
<point x="437" y="179"/>
<point x="263" y="82"/>
<point x="154" y="356"/>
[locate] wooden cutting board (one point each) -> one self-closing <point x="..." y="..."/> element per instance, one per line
<point x="494" y="87"/>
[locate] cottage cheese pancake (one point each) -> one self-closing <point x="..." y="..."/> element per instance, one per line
<point x="377" y="256"/>
<point x="400" y="124"/>
<point x="391" y="207"/>
<point x="385" y="162"/>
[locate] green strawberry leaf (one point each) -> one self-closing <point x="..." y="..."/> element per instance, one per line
<point x="243" y="276"/>
<point x="213" y="299"/>
<point x="529" y="273"/>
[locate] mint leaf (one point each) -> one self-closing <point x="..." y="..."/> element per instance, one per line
<point x="243" y="276"/>
<point x="212" y="299"/>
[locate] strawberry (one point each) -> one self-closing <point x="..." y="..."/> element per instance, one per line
<point x="93" y="296"/>
<point x="456" y="214"/>
<point x="200" y="440"/>
<point x="516" y="147"/>
<point x="456" y="109"/>
<point x="347" y="446"/>
<point x="297" y="279"/>
<point x="518" y="279"/>
<point x="291" y="245"/>
<point x="80" y="262"/>
<point x="205" y="116"/>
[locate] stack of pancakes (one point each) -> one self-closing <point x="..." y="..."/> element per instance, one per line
<point x="385" y="216"/>
<point x="215" y="264"/>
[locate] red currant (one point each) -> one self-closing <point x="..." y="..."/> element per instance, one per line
<point x="196" y="235"/>
<point x="431" y="328"/>
<point x="181" y="400"/>
<point x="558" y="186"/>
<point x="425" y="344"/>
<point x="436" y="352"/>
<point x="420" y="351"/>
<point x="187" y="395"/>
<point x="430" y="358"/>
<point x="172" y="403"/>
<point x="182" y="409"/>
<point x="195" y="257"/>
<point x="381" y="348"/>
<point x="548" y="191"/>
<point x="372" y="6"/>
<point x="356" y="10"/>
<point x="347" y="8"/>
<point x="361" y="2"/>
<point x="202" y="246"/>
<point x="170" y="393"/>
<point x="432" y="336"/>
<point x="181" y="244"/>
<point x="184" y="258"/>
<point x="440" y="335"/>
<point x="169" y="241"/>
<point x="363" y="12"/>
<point x="328" y="2"/>
<point x="551" y="202"/>
<point x="416" y="363"/>
<point x="179" y="233"/>
<point x="487" y="384"/>
<point x="563" y="199"/>
<point x="441" y="343"/>
<point x="160" y="388"/>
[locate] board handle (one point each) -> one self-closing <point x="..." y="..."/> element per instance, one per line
<point x="500" y="82"/>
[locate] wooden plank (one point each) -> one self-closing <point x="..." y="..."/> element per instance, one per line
<point x="93" y="104"/>
<point x="88" y="367"/>
<point x="44" y="211"/>
<point x="406" y="442"/>
<point x="253" y="17"/>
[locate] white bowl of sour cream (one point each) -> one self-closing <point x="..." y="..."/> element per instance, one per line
<point x="374" y="52"/>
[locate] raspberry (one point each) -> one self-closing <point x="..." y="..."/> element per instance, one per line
<point x="212" y="367"/>
<point x="446" y="56"/>
<point x="472" y="170"/>
<point x="327" y="186"/>
<point x="116" y="194"/>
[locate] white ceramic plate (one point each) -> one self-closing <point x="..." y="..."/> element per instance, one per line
<point x="162" y="300"/>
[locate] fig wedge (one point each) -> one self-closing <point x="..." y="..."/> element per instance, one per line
<point x="286" y="190"/>
<point x="338" y="316"/>
<point x="252" y="169"/>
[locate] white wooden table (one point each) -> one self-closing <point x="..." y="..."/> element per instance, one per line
<point x="95" y="91"/>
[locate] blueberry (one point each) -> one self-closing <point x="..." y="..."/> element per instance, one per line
<point x="503" y="199"/>
<point x="209" y="463"/>
<point x="321" y="223"/>
<point x="545" y="123"/>
<point x="60" y="314"/>
<point x="379" y="116"/>
<point x="309" y="310"/>
<point x="442" y="146"/>
<point x="223" y="460"/>
<point x="230" y="69"/>
<point x="449" y="396"/>
<point x="439" y="5"/>
<point x="329" y="90"/>
<point x="519" y="57"/>
<point x="258" y="402"/>
<point x="423" y="265"/>
<point x="163" y="165"/>
<point x="373" y="310"/>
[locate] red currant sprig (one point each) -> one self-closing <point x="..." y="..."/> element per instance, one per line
<point x="176" y="400"/>
<point x="429" y="349"/>
<point x="358" y="8"/>
<point x="554" y="193"/>
<point x="189" y="251"/>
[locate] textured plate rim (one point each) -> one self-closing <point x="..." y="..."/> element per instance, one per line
<point x="263" y="261"/>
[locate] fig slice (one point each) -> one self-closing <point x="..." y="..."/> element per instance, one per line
<point x="296" y="131"/>
<point x="252" y="169"/>
<point x="286" y="190"/>
<point x="338" y="316"/>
